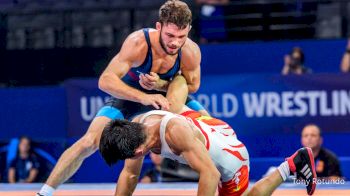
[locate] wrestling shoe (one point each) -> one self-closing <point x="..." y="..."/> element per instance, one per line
<point x="302" y="163"/>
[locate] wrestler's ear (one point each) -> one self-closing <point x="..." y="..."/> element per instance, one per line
<point x="158" y="26"/>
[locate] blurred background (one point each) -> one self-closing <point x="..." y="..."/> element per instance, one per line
<point x="269" y="68"/>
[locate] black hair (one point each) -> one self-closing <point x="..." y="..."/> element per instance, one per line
<point x="301" y="53"/>
<point x="120" y="139"/>
<point x="314" y="125"/>
<point x="30" y="151"/>
<point x="24" y="137"/>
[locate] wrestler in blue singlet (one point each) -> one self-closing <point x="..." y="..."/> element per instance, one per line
<point x="120" y="109"/>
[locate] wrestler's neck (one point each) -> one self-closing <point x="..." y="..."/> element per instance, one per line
<point x="153" y="139"/>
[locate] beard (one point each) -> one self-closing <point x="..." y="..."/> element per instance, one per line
<point x="164" y="47"/>
<point x="162" y="44"/>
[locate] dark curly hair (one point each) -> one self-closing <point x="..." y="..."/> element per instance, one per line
<point x="120" y="139"/>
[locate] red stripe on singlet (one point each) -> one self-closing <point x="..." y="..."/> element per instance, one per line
<point x="207" y="145"/>
<point x="238" y="146"/>
<point x="133" y="75"/>
<point x="235" y="153"/>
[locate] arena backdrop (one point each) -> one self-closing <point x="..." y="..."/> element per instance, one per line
<point x="263" y="104"/>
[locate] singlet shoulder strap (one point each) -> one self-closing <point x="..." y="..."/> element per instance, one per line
<point x="146" y="32"/>
<point x="164" y="123"/>
<point x="153" y="112"/>
<point x="162" y="129"/>
<point x="167" y="116"/>
<point x="178" y="63"/>
<point x="179" y="55"/>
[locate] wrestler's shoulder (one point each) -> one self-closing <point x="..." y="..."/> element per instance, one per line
<point x="191" y="54"/>
<point x="190" y="47"/>
<point x="137" y="39"/>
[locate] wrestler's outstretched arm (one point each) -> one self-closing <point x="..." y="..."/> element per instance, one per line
<point x="129" y="176"/>
<point x="182" y="141"/>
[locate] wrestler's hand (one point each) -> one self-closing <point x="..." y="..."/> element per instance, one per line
<point x="152" y="82"/>
<point x="156" y="100"/>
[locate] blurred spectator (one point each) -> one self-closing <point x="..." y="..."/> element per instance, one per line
<point x="345" y="62"/>
<point x="294" y="63"/>
<point x="212" y="20"/>
<point x="327" y="164"/>
<point x="24" y="168"/>
<point x="154" y="174"/>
